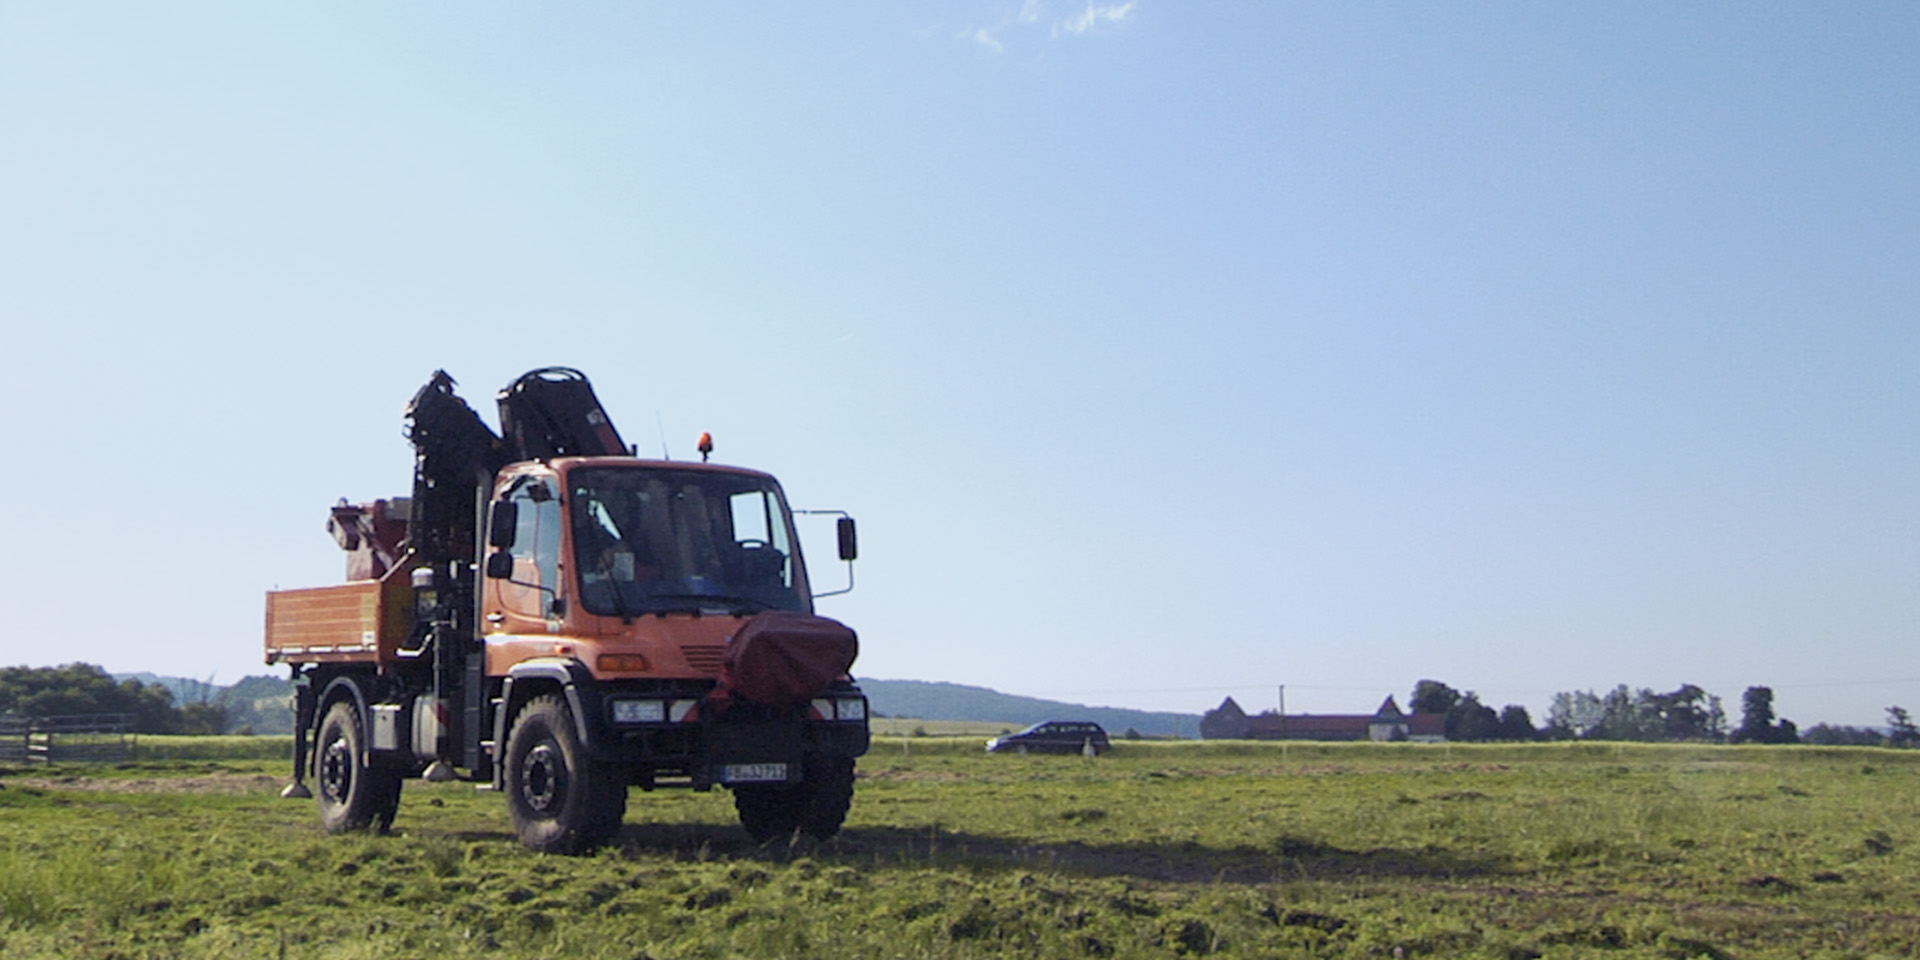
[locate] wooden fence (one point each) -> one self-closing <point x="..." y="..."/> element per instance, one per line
<point x="95" y="738"/>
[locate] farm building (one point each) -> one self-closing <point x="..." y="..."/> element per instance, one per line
<point x="1229" y="722"/>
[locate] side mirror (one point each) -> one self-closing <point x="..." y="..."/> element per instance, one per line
<point x="504" y="525"/>
<point x="849" y="540"/>
<point x="500" y="566"/>
<point x="849" y="548"/>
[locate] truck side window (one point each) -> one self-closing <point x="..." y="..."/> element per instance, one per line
<point x="760" y="540"/>
<point x="536" y="554"/>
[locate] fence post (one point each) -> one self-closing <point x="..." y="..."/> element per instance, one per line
<point x="13" y="739"/>
<point x="76" y="739"/>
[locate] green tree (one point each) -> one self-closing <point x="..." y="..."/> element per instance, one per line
<point x="1756" y="715"/>
<point x="1900" y="729"/>
<point x="1516" y="723"/>
<point x="1628" y="715"/>
<point x="1684" y="714"/>
<point x="1623" y="713"/>
<point x="77" y="689"/>
<point x="1469" y="720"/>
<point x="1757" y="723"/>
<point x="1432" y="696"/>
<point x="1716" y="719"/>
<point x="211" y="717"/>
<point x="1827" y="735"/>
<point x="1574" y="715"/>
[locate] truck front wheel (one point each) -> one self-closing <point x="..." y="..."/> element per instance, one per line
<point x="829" y="795"/>
<point x="768" y="812"/>
<point x="817" y="805"/>
<point x="351" y="795"/>
<point x="562" y="800"/>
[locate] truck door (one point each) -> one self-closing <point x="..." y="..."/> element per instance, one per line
<point x="533" y="590"/>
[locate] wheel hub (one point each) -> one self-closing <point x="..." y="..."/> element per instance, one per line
<point x="336" y="771"/>
<point x="542" y="782"/>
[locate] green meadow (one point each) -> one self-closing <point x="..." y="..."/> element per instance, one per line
<point x="1160" y="849"/>
<point x="980" y="730"/>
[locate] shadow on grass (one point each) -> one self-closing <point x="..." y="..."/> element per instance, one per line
<point x="1287" y="858"/>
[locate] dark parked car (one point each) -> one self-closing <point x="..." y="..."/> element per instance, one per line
<point x="1054" y="736"/>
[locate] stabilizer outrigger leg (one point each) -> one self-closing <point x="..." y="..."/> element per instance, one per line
<point x="446" y="666"/>
<point x="302" y="722"/>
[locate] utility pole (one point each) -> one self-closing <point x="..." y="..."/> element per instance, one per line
<point x="1283" y="711"/>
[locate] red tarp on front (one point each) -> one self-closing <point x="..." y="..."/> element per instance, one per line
<point x="781" y="657"/>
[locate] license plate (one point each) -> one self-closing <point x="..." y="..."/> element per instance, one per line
<point x="753" y="773"/>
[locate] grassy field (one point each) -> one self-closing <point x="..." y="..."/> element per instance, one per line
<point x="979" y="731"/>
<point x="1157" y="850"/>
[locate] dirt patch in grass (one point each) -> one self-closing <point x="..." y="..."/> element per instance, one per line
<point x="227" y="783"/>
<point x="937" y="776"/>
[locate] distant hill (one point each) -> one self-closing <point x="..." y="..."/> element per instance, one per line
<point x="260" y="705"/>
<point x="184" y="690"/>
<point x="931" y="700"/>
<point x="256" y="704"/>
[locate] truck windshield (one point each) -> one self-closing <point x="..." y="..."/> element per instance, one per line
<point x="660" y="540"/>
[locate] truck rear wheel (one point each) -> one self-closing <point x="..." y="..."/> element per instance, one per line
<point x="562" y="800"/>
<point x="351" y="795"/>
<point x="816" y="806"/>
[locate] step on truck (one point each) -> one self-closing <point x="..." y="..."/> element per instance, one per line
<point x="562" y="621"/>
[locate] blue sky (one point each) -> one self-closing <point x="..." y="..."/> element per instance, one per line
<point x="1164" y="351"/>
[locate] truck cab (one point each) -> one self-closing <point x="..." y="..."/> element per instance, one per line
<point x="587" y="547"/>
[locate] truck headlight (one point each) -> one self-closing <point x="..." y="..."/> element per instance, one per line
<point x="639" y="711"/>
<point x="851" y="709"/>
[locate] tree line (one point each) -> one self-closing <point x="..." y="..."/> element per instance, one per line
<point x="83" y="689"/>
<point x="1688" y="713"/>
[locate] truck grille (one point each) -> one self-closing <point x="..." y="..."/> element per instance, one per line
<point x="704" y="658"/>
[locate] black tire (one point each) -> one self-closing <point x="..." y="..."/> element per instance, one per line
<point x="829" y="796"/>
<point x="768" y="812"/>
<point x="561" y="799"/>
<point x="817" y="806"/>
<point x="351" y="795"/>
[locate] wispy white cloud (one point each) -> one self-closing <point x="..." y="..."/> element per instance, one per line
<point x="1033" y="13"/>
<point x="1096" y="15"/>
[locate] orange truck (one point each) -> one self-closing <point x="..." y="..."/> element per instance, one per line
<point x="560" y="620"/>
